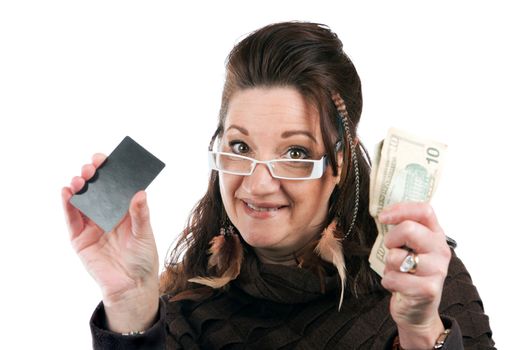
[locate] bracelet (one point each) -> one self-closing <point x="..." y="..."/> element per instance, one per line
<point x="133" y="333"/>
<point x="438" y="345"/>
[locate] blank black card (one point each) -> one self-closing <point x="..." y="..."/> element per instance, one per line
<point x="128" y="169"/>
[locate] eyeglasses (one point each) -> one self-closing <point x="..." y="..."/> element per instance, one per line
<point x="288" y="169"/>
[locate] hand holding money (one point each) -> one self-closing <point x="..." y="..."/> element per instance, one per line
<point x="406" y="168"/>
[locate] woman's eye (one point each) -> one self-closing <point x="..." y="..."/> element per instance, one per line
<point x="239" y="147"/>
<point x="297" y="153"/>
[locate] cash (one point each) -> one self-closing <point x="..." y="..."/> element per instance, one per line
<point x="406" y="168"/>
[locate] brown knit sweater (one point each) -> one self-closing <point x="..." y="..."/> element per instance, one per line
<point x="280" y="307"/>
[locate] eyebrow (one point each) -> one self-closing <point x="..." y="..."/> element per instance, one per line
<point x="287" y="134"/>
<point x="241" y="129"/>
<point x="284" y="135"/>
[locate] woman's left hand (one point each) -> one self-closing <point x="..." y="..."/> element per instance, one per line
<point x="416" y="294"/>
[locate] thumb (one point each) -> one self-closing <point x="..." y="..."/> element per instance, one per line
<point x="139" y="213"/>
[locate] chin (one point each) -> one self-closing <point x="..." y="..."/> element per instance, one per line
<point x="265" y="238"/>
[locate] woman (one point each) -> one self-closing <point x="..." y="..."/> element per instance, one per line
<point x="275" y="255"/>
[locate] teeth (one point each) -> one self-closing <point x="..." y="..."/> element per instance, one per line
<point x="260" y="209"/>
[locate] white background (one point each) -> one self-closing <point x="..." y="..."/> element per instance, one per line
<point x="76" y="77"/>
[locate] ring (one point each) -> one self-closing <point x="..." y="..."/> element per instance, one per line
<point x="409" y="264"/>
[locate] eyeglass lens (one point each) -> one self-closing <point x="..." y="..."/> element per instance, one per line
<point x="291" y="169"/>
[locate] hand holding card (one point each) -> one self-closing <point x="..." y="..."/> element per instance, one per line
<point x="124" y="261"/>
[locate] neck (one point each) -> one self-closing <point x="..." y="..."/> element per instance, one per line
<point x="267" y="257"/>
<point x="287" y="257"/>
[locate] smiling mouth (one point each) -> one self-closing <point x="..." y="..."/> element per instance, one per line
<point x="263" y="209"/>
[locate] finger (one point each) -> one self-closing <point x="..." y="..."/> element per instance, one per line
<point x="427" y="264"/>
<point x="74" y="219"/>
<point x="88" y="171"/>
<point x="399" y="282"/>
<point x="420" y="288"/>
<point x="77" y="183"/>
<point x="98" y="159"/>
<point x="414" y="211"/>
<point x="415" y="236"/>
<point x="139" y="213"/>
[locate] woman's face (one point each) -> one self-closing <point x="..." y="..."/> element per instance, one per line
<point x="276" y="217"/>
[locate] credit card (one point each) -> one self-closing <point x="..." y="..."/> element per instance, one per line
<point x="106" y="196"/>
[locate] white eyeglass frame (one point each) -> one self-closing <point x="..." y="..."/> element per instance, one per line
<point x="317" y="171"/>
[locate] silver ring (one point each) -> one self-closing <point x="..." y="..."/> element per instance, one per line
<point x="409" y="264"/>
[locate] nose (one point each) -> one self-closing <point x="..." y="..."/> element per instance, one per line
<point x="260" y="182"/>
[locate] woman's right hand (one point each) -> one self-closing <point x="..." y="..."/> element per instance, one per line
<point x="124" y="262"/>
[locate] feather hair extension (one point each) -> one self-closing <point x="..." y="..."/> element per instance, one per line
<point x="307" y="257"/>
<point x="226" y="256"/>
<point x="219" y="252"/>
<point x="330" y="249"/>
<point x="193" y="294"/>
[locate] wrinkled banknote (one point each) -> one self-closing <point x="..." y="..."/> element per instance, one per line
<point x="406" y="168"/>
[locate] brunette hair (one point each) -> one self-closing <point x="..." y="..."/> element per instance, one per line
<point x="310" y="58"/>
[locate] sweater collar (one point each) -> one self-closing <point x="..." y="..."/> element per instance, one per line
<point x="283" y="284"/>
